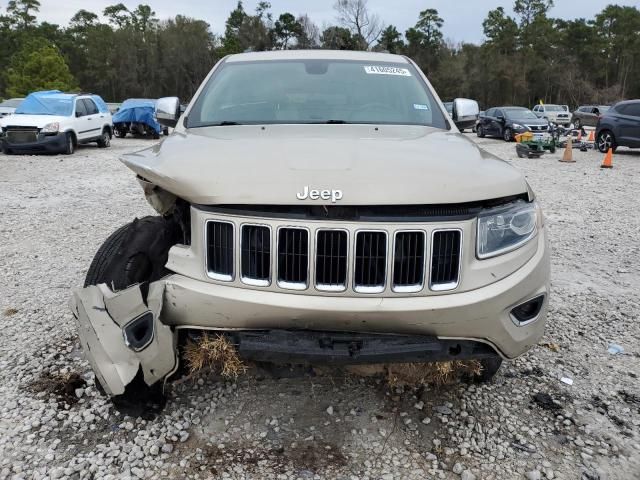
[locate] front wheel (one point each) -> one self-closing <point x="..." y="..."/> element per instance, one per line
<point x="577" y="124"/>
<point x="507" y="135"/>
<point x="606" y="141"/>
<point x="480" y="131"/>
<point x="105" y="139"/>
<point x="70" y="144"/>
<point x="490" y="367"/>
<point x="120" y="133"/>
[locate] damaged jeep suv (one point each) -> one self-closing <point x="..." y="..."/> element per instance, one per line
<point x="317" y="206"/>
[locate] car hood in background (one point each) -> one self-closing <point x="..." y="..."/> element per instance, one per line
<point x="23" y="120"/>
<point x="371" y="165"/>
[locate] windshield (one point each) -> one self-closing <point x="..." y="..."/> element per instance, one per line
<point x="521" y="113"/>
<point x="315" y="91"/>
<point x="39" y="104"/>
<point x="11" y="103"/>
<point x="554" y="108"/>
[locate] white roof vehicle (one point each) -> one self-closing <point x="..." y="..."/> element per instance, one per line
<point x="554" y="113"/>
<point x="56" y="122"/>
<point x="329" y="212"/>
<point x="8" y="106"/>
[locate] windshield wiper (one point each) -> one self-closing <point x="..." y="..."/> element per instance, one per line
<point x="224" y="123"/>
<point x="337" y="122"/>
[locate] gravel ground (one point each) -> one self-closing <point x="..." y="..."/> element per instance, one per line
<point x="56" y="210"/>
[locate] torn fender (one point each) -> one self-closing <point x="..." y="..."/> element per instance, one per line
<point x="103" y="316"/>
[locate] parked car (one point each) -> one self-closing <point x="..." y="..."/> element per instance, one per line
<point x="506" y="122"/>
<point x="53" y="121"/>
<point x="554" y="113"/>
<point x="9" y="106"/>
<point x="290" y="209"/>
<point x="587" y="115"/>
<point x="461" y="123"/>
<point x="137" y="117"/>
<point x="619" y="126"/>
<point x="113" y="107"/>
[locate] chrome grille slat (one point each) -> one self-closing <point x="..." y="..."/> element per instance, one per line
<point x="370" y="262"/>
<point x="445" y="259"/>
<point x="220" y="255"/>
<point x="256" y="255"/>
<point x="409" y="261"/>
<point x="293" y="258"/>
<point x="331" y="260"/>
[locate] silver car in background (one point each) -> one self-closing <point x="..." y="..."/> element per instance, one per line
<point x="587" y="115"/>
<point x="9" y="106"/>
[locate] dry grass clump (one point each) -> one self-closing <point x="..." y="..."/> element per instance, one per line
<point x="436" y="373"/>
<point x="213" y="352"/>
<point x="10" y="312"/>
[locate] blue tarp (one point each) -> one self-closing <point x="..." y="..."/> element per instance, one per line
<point x="102" y="107"/>
<point x="140" y="110"/>
<point x="52" y="102"/>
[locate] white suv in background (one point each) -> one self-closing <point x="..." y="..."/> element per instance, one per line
<point x="554" y="113"/>
<point x="56" y="122"/>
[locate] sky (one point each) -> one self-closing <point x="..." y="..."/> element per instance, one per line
<point x="462" y="18"/>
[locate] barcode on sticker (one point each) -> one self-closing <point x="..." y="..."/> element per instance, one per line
<point x="379" y="70"/>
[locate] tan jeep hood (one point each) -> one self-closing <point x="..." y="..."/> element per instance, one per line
<point x="383" y="165"/>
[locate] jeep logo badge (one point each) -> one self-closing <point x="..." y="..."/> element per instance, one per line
<point x="333" y="195"/>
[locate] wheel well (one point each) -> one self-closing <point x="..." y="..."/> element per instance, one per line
<point x="108" y="129"/>
<point x="73" y="136"/>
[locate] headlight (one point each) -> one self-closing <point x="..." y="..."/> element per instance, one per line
<point x="505" y="228"/>
<point x="517" y="126"/>
<point x="51" y="128"/>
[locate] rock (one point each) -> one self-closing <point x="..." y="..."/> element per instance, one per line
<point x="533" y="475"/>
<point x="167" y="448"/>
<point x="467" y="475"/>
<point x="154" y="450"/>
<point x="443" y="410"/>
<point x="458" y="468"/>
<point x="330" y="410"/>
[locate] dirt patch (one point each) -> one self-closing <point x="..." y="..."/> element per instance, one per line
<point x="546" y="402"/>
<point x="62" y="386"/>
<point x="313" y="456"/>
<point x="9" y="312"/>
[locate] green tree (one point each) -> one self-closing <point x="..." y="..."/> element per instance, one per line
<point x="38" y="66"/>
<point x="340" y="38"/>
<point x="20" y="12"/>
<point x="425" y="39"/>
<point x="390" y="40"/>
<point x="285" y="29"/>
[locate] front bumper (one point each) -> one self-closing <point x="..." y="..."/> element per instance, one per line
<point x="45" y="143"/>
<point x="482" y="315"/>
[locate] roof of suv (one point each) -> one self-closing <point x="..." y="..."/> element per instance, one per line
<point x="317" y="55"/>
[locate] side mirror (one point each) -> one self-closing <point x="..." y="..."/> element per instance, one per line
<point x="501" y="118"/>
<point x="465" y="109"/>
<point x="168" y="111"/>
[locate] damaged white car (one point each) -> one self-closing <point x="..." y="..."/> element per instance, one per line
<point x="317" y="206"/>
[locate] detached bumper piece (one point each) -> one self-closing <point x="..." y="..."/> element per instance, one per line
<point x="121" y="335"/>
<point x="286" y="346"/>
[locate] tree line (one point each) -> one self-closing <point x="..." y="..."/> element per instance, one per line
<point x="523" y="59"/>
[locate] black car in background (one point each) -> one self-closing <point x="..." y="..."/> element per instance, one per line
<point x="619" y="126"/>
<point x="506" y="122"/>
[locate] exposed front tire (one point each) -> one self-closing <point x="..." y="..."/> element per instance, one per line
<point x="490" y="367"/>
<point x="70" y="144"/>
<point x="606" y="141"/>
<point x="507" y="134"/>
<point x="105" y="139"/>
<point x="480" y="131"/>
<point x="120" y="133"/>
<point x="136" y="253"/>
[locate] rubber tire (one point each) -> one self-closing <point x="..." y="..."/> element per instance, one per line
<point x="480" y="131"/>
<point x="105" y="139"/>
<point x="552" y="149"/>
<point x="490" y="367"/>
<point x="119" y="133"/>
<point x="165" y="131"/>
<point x="69" y="144"/>
<point x="613" y="141"/>
<point x="135" y="253"/>
<point x="577" y="124"/>
<point x="507" y="135"/>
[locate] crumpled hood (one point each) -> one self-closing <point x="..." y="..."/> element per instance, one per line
<point x="371" y="165"/>
<point x="23" y="120"/>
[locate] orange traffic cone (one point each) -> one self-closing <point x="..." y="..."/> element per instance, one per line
<point x="567" y="156"/>
<point x="608" y="158"/>
<point x="592" y="136"/>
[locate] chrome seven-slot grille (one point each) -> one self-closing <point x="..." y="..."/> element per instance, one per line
<point x="417" y="260"/>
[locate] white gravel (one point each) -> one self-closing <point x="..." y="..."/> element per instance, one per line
<point x="55" y="211"/>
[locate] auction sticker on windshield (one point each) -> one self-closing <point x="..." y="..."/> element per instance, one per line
<point x="379" y="70"/>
